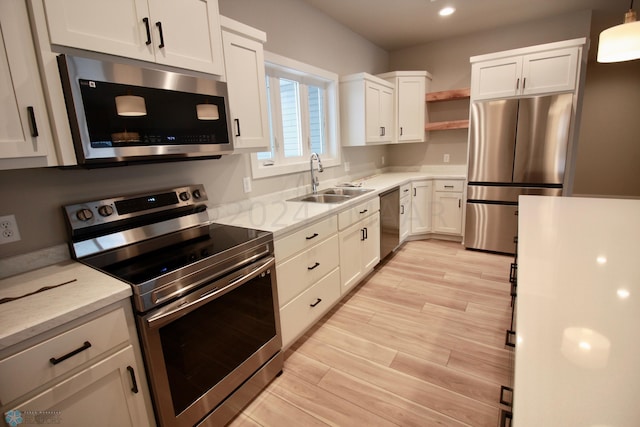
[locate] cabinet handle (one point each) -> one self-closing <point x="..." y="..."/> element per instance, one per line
<point x="364" y="211"/>
<point x="318" y="301"/>
<point x="518" y="83"/>
<point x="459" y="203"/>
<point x="405" y="190"/>
<point x="400" y="130"/>
<point x="366" y="233"/>
<point x="505" y="418"/>
<point x="524" y="83"/>
<point x="146" y="24"/>
<point x="381" y="131"/>
<point x="313" y="266"/>
<point x="414" y="192"/>
<point x="312" y="237"/>
<point x="504" y="401"/>
<point x="448" y="186"/>
<point x="237" y="121"/>
<point x="32" y="121"/>
<point x="134" y="383"/>
<point x="85" y="346"/>
<point x="159" y="25"/>
<point x="401" y="209"/>
<point x="362" y="235"/>
<point x="507" y="340"/>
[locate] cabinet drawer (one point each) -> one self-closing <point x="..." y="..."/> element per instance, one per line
<point x="303" y="311"/>
<point x="299" y="240"/>
<point x="405" y="190"/>
<point x="43" y="362"/>
<point x="355" y="214"/>
<point x="298" y="273"/>
<point x="449" y="185"/>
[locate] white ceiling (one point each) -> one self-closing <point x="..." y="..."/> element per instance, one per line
<point x="395" y="24"/>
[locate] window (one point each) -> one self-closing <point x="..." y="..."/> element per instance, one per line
<point x="302" y="112"/>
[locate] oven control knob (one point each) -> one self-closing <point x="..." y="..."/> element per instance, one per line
<point x="184" y="196"/>
<point x="197" y="194"/>
<point x="105" y="210"/>
<point x="193" y="257"/>
<point x="84" y="214"/>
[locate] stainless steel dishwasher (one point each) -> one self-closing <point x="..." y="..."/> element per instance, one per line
<point x="389" y="221"/>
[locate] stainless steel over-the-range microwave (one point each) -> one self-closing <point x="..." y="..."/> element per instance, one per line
<point x="125" y="113"/>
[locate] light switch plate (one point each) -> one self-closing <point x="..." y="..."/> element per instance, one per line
<point x="246" y="184"/>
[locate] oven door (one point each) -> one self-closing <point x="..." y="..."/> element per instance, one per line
<point x="203" y="346"/>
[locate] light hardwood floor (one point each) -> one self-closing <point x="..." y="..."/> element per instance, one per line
<point x="419" y="343"/>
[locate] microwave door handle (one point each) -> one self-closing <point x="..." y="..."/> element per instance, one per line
<point x="162" y="318"/>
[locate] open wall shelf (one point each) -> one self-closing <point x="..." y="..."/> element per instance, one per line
<point x="448" y="95"/>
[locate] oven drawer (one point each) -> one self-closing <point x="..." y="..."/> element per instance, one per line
<point x="37" y="365"/>
<point x="308" y="307"/>
<point x="355" y="214"/>
<point x="298" y="273"/>
<point x="305" y="238"/>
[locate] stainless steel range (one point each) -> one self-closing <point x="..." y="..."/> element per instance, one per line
<point x="205" y="298"/>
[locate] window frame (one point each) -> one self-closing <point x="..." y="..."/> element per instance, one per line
<point x="277" y="67"/>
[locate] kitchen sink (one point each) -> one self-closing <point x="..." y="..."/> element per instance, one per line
<point x="346" y="191"/>
<point x="332" y="195"/>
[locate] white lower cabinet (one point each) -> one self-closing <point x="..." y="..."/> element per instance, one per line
<point x="307" y="267"/>
<point x="421" y="206"/>
<point x="104" y="394"/>
<point x="359" y="242"/>
<point x="89" y="374"/>
<point x="405" y="211"/>
<point x="447" y="207"/>
<point x="304" y="310"/>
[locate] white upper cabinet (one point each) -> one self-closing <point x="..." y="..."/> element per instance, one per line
<point x="244" y="62"/>
<point x="25" y="132"/>
<point x="527" y="71"/>
<point x="366" y="110"/>
<point x="408" y="105"/>
<point x="187" y="36"/>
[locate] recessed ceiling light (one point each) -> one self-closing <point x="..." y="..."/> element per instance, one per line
<point x="446" y="11"/>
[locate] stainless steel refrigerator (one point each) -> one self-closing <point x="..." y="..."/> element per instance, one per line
<point x="516" y="146"/>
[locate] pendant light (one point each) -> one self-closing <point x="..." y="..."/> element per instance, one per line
<point x="622" y="42"/>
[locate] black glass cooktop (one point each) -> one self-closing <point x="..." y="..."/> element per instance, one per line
<point x="154" y="264"/>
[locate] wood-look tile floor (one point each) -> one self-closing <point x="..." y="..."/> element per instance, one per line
<point x="418" y="343"/>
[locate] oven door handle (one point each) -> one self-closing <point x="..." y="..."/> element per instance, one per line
<point x="210" y="292"/>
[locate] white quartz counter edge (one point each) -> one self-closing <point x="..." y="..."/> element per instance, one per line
<point x="282" y="217"/>
<point x="83" y="291"/>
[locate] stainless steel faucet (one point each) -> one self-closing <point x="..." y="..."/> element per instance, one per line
<point x="314" y="178"/>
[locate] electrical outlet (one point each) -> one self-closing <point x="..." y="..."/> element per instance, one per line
<point x="446" y="158"/>
<point x="9" y="229"/>
<point x="347" y="166"/>
<point x="246" y="184"/>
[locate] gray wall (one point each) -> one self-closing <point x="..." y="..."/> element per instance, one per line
<point x="608" y="156"/>
<point x="295" y="30"/>
<point x="448" y="62"/>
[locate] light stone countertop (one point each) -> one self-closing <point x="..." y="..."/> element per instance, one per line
<point x="83" y="290"/>
<point x="578" y="312"/>
<point x="281" y="217"/>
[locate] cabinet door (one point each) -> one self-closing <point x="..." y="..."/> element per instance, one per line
<point x="496" y="79"/>
<point x="101" y="395"/>
<point x="115" y="27"/>
<point x="24" y="125"/>
<point x="371" y="243"/>
<point x="386" y="114"/>
<point x="351" y="256"/>
<point x="447" y="212"/>
<point x="421" y="207"/>
<point x="188" y="36"/>
<point x="405" y="217"/>
<point x="373" y="127"/>
<point x="244" y="62"/>
<point x="553" y="71"/>
<point x="411" y="105"/>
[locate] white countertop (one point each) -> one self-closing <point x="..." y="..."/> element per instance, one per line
<point x="83" y="290"/>
<point x="577" y="360"/>
<point x="281" y="216"/>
